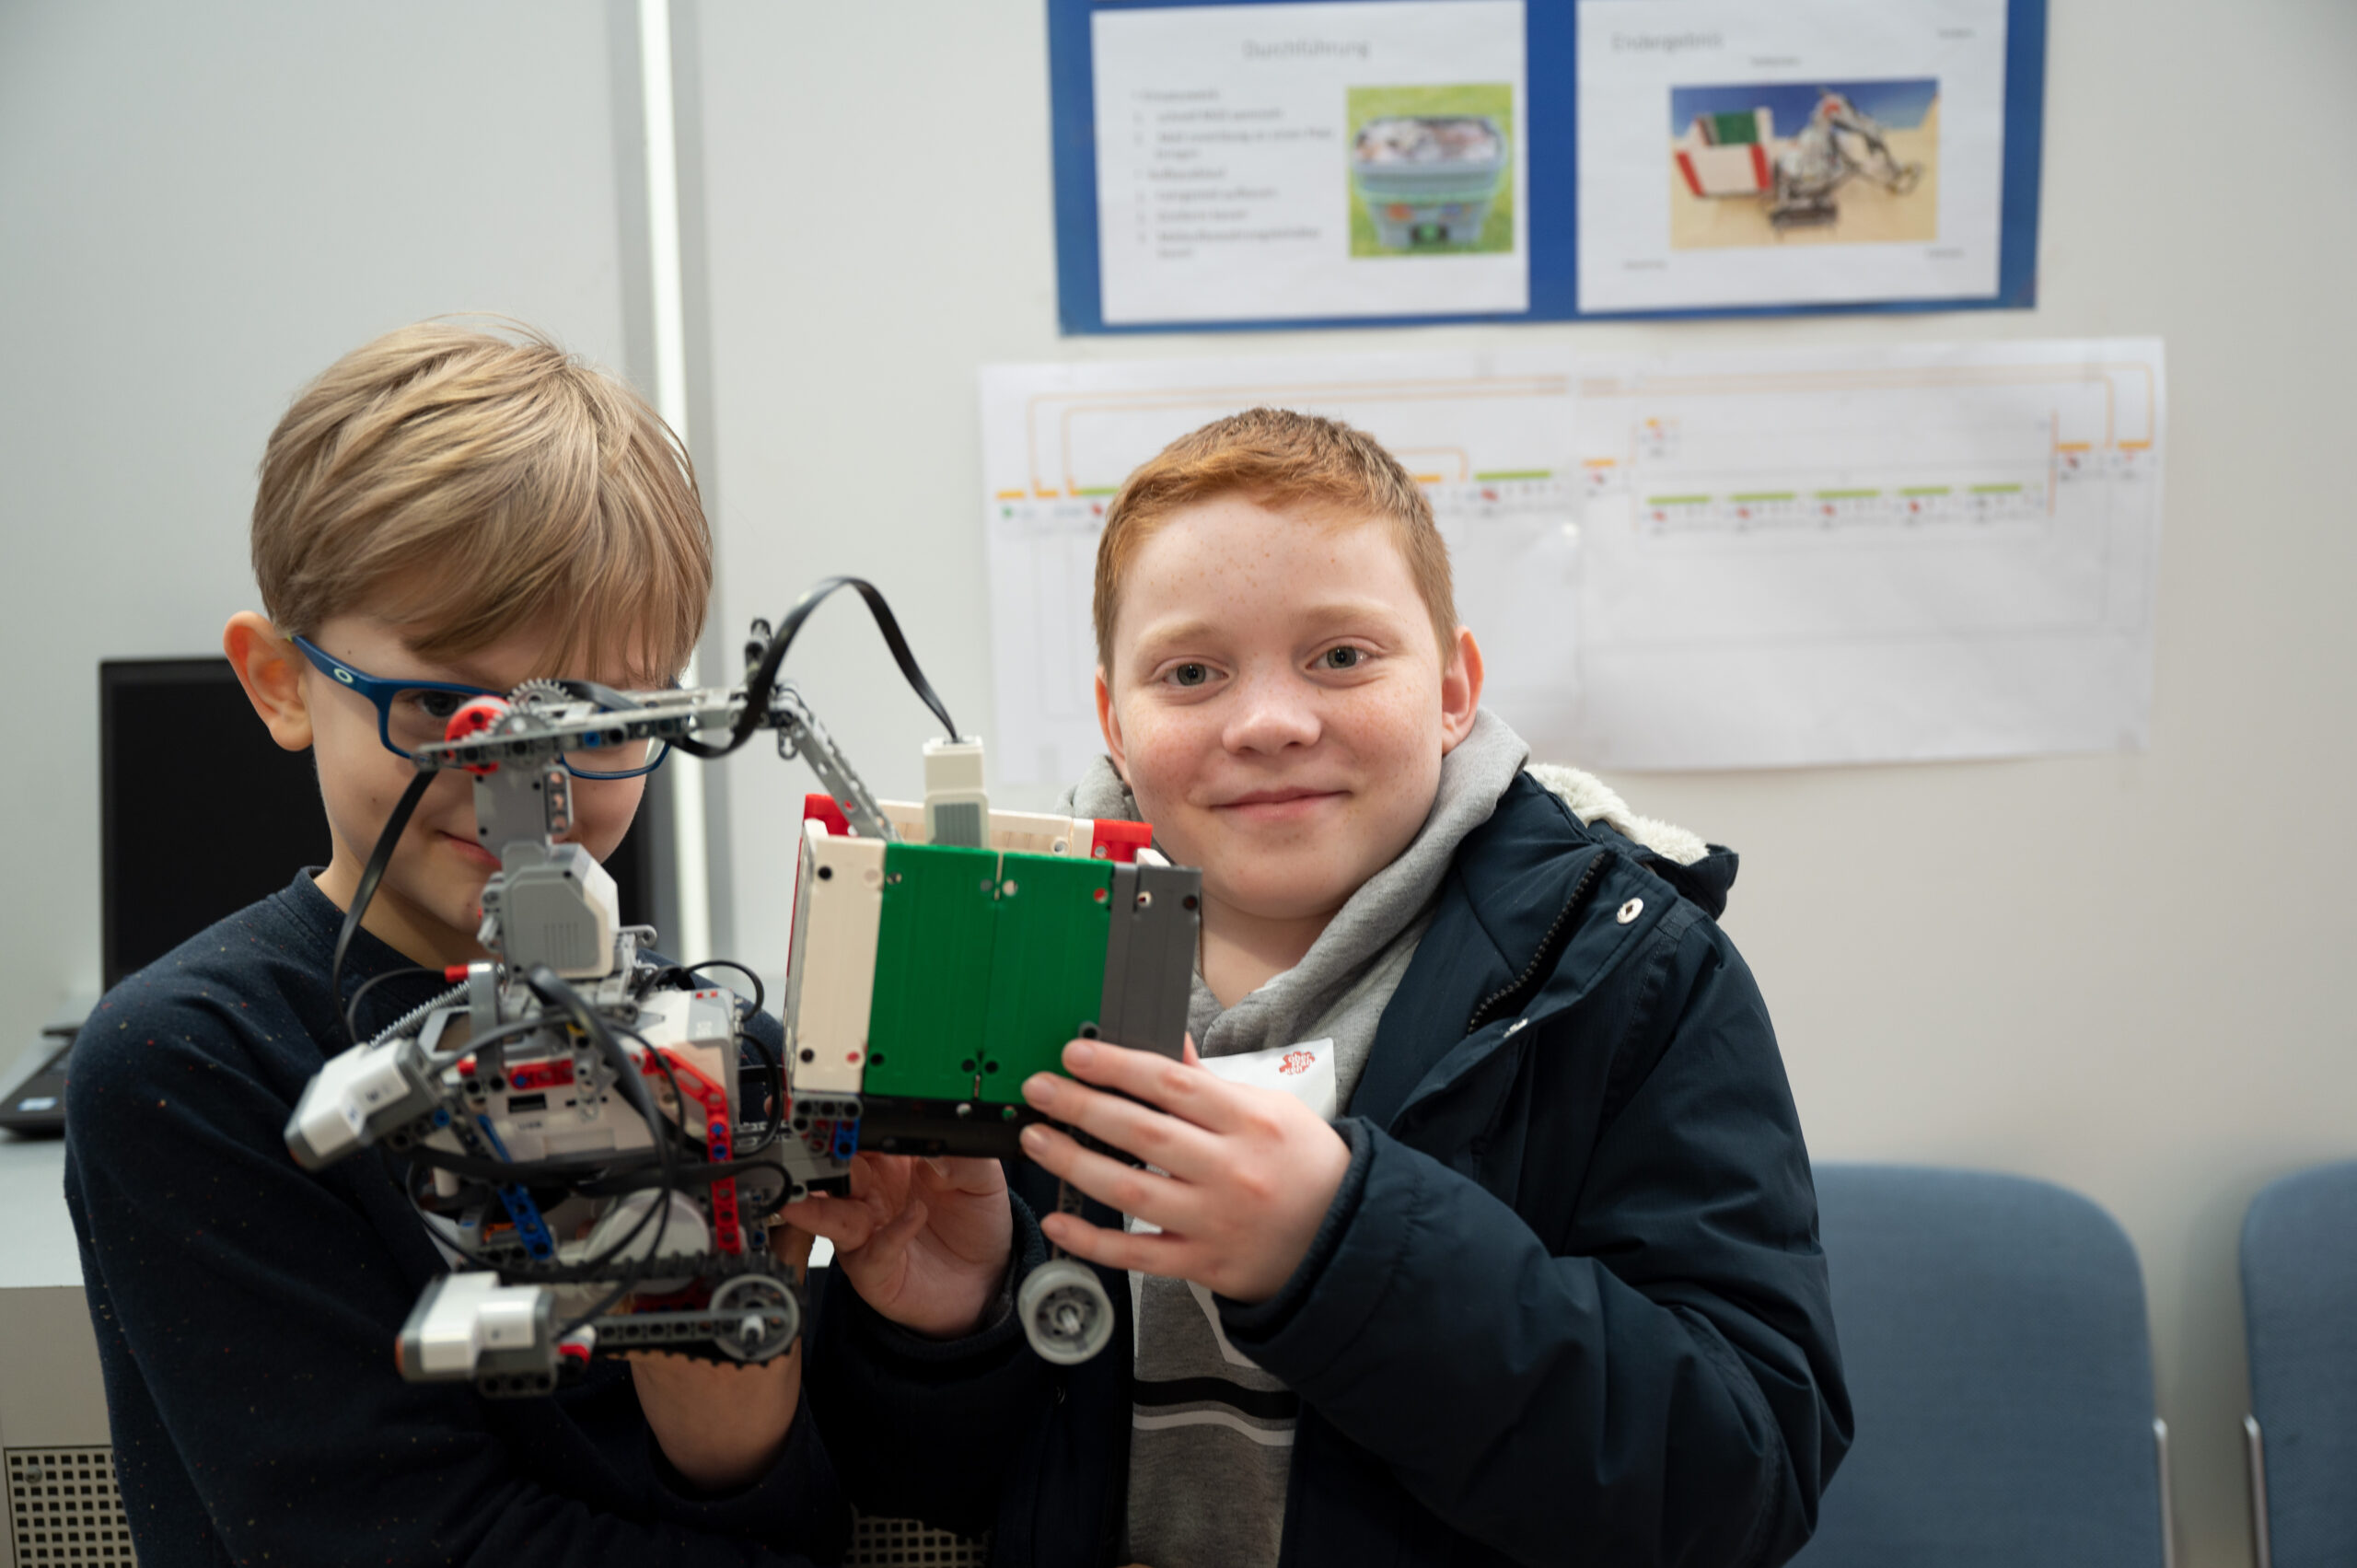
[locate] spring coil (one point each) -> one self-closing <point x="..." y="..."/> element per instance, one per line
<point x="409" y="1023"/>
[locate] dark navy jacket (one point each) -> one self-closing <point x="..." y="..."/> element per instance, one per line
<point x="246" y="1311"/>
<point x="1568" y="1304"/>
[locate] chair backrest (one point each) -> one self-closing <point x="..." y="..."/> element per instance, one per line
<point x="1992" y="1330"/>
<point x="2300" y="1310"/>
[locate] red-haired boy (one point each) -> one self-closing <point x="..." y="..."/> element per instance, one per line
<point x="1540" y="1284"/>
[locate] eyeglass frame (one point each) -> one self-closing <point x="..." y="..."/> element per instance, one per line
<point x="381" y="692"/>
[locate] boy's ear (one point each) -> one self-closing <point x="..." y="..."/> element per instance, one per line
<point x="1110" y="723"/>
<point x="1460" y="691"/>
<point x="270" y="670"/>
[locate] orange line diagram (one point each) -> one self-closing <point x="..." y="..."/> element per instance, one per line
<point x="1906" y="377"/>
<point x="1224" y="398"/>
<point x="1464" y="460"/>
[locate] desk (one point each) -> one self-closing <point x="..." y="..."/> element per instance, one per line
<point x="37" y="1248"/>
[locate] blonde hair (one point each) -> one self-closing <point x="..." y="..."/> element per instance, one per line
<point x="1285" y="460"/>
<point x="462" y="483"/>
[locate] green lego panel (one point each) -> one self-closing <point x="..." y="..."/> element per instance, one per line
<point x="1740" y="128"/>
<point x="932" y="971"/>
<point x="1048" y="967"/>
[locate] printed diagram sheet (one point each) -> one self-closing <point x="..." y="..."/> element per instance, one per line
<point x="1267" y="161"/>
<point x="1490" y="437"/>
<point x="1813" y="152"/>
<point x="1869" y="556"/>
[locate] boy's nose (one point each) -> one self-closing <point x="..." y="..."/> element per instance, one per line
<point x="1270" y="714"/>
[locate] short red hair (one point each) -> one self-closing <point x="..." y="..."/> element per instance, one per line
<point x="1281" y="459"/>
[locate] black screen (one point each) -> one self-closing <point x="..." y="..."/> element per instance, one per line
<point x="201" y="813"/>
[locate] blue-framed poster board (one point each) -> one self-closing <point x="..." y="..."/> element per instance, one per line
<point x="1332" y="163"/>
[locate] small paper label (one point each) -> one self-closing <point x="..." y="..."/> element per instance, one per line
<point x="1304" y="1071"/>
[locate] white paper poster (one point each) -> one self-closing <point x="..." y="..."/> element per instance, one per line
<point x="1869" y="555"/>
<point x="1490" y="437"/>
<point x="1808" y="152"/>
<point x="1674" y="562"/>
<point x="1256" y="162"/>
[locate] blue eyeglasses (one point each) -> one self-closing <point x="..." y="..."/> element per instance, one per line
<point x="410" y="714"/>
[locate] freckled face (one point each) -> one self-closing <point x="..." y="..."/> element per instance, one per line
<point x="1275" y="702"/>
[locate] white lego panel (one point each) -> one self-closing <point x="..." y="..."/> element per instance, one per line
<point x="1031" y="832"/>
<point x="839" y="903"/>
<point x="445" y="1335"/>
<point x="559" y="1128"/>
<point x="1026" y="833"/>
<point x="697" y="1030"/>
<point x="1729" y="170"/>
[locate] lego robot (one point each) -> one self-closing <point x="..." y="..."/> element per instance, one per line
<point x="1839" y="142"/>
<point x="596" y="1137"/>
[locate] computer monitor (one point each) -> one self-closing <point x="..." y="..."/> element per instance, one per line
<point x="201" y="813"/>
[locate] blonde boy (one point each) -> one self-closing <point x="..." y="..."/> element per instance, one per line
<point x="1539" y="1283"/>
<point x="459" y="509"/>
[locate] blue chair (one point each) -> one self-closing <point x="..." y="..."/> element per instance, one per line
<point x="1992" y="1329"/>
<point x="2300" y="1310"/>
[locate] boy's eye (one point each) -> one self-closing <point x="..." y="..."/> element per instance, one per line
<point x="1190" y="674"/>
<point x="1344" y="657"/>
<point x="435" y="704"/>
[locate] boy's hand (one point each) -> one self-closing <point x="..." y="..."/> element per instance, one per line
<point x="925" y="1242"/>
<point x="1251" y="1171"/>
<point x="723" y="1424"/>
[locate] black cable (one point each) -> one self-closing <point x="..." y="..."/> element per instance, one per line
<point x="761" y="993"/>
<point x="551" y="989"/>
<point x="374" y="873"/>
<point x="611" y="1179"/>
<point x="692" y="974"/>
<point x="775" y="1125"/>
<point x="498" y="1034"/>
<point x="763" y="675"/>
<point x="351" y="1009"/>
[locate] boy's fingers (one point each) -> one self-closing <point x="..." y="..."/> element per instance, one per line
<point x="966" y="1175"/>
<point x="905" y="1225"/>
<point x="1178" y="1146"/>
<point x="843" y="1221"/>
<point x="790" y="1243"/>
<point x="1184" y="1091"/>
<point x="1154" y="1199"/>
<point x="1117" y="1249"/>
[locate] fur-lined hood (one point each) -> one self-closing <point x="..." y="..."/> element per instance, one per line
<point x="1591" y="799"/>
<point x="1701" y="871"/>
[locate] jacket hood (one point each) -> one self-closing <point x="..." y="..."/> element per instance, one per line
<point x="1700" y="871"/>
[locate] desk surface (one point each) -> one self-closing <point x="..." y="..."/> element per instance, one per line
<point x="36" y="1234"/>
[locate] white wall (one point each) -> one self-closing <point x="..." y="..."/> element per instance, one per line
<point x="199" y="208"/>
<point x="2119" y="972"/>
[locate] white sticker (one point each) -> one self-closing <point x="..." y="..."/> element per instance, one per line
<point x="1303" y="1071"/>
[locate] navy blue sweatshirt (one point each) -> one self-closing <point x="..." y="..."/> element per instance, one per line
<point x="246" y="1311"/>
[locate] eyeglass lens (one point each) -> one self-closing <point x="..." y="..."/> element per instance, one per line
<point x="421" y="717"/>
